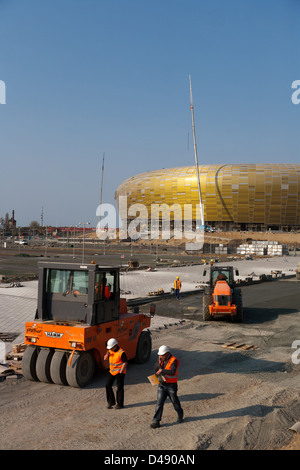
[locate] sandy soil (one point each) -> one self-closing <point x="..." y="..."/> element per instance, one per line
<point x="232" y="398"/>
<point x="288" y="238"/>
<point x="281" y="237"/>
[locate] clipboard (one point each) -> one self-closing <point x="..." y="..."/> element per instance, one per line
<point x="155" y="380"/>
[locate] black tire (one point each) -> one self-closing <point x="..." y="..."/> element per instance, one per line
<point x="43" y="365"/>
<point x="144" y="348"/>
<point x="81" y="370"/>
<point x="238" y="301"/>
<point x="58" y="368"/>
<point x="207" y="301"/>
<point x="29" y="363"/>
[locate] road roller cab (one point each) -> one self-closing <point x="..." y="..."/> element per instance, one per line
<point x="79" y="309"/>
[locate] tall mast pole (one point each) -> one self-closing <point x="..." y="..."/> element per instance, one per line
<point x="196" y="157"/>
<point x="101" y="188"/>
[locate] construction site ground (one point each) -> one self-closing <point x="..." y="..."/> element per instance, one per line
<point x="238" y="382"/>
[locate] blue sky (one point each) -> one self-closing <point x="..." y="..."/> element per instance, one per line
<point x="87" y="77"/>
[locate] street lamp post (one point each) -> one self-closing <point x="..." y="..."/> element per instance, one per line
<point x="74" y="227"/>
<point x="83" y="224"/>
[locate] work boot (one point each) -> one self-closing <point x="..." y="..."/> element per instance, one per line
<point x="155" y="424"/>
<point x="179" y="420"/>
<point x="118" y="407"/>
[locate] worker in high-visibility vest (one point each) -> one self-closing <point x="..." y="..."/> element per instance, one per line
<point x="167" y="368"/>
<point x="177" y="287"/>
<point x="117" y="371"/>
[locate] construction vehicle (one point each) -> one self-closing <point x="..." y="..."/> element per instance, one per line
<point x="79" y="309"/>
<point x="297" y="270"/>
<point x="221" y="296"/>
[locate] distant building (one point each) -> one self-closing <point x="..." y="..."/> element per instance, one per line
<point x="12" y="223"/>
<point x="64" y="231"/>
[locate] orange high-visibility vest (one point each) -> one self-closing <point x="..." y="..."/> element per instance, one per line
<point x="171" y="378"/>
<point x="115" y="362"/>
<point x="107" y="293"/>
<point x="177" y="284"/>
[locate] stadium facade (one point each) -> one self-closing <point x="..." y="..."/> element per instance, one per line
<point x="243" y="197"/>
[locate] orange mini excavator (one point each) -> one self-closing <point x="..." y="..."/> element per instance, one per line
<point x="79" y="309"/>
<point x="221" y="297"/>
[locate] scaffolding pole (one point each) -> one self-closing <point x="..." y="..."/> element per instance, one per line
<point x="196" y="157"/>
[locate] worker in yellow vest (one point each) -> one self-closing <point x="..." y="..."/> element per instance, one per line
<point x="177" y="287"/>
<point x="166" y="367"/>
<point x="117" y="371"/>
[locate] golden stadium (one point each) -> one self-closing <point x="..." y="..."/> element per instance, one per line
<point x="244" y="197"/>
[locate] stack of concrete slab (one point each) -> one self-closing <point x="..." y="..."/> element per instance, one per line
<point x="263" y="248"/>
<point x="252" y="249"/>
<point x="222" y="249"/>
<point x="276" y="249"/>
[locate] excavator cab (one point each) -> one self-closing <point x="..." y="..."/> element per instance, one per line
<point x="221" y="273"/>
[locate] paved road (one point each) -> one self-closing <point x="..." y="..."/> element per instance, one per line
<point x="263" y="302"/>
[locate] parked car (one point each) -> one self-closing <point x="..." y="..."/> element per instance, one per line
<point x="21" y="242"/>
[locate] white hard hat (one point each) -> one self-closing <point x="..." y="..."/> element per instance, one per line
<point x="163" y="350"/>
<point x="111" y="343"/>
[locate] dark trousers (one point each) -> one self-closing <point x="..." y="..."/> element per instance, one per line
<point x="120" y="389"/>
<point x="164" y="391"/>
<point x="177" y="291"/>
